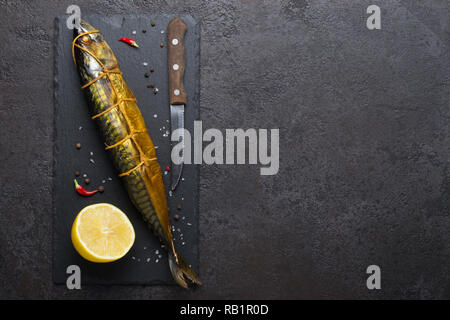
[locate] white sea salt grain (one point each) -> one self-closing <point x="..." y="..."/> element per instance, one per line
<point x="157" y="252"/>
<point x="85" y="175"/>
<point x="92" y="160"/>
<point x="157" y="260"/>
<point x="103" y="181"/>
<point x="133" y="258"/>
<point x="80" y="128"/>
<point x="148" y="259"/>
<point x="155" y="116"/>
<point x="189" y="224"/>
<point x="160" y="256"/>
<point x="145" y="64"/>
<point x="109" y="178"/>
<point x="133" y="32"/>
<point x="91" y="153"/>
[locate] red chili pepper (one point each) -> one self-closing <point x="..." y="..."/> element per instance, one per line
<point x="82" y="191"/>
<point x="129" y="41"/>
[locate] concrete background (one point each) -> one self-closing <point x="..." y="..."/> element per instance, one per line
<point x="364" y="149"/>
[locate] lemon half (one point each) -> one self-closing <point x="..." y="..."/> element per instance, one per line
<point x="102" y="233"/>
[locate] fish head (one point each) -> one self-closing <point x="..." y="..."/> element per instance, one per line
<point x="95" y="53"/>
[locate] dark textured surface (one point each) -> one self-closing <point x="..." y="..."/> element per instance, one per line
<point x="73" y="124"/>
<point x="364" y="158"/>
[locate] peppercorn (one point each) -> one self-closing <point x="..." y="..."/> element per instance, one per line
<point x="147" y="74"/>
<point x="101" y="189"/>
<point x="179" y="207"/>
<point x="155" y="91"/>
<point x="176" y="217"/>
<point x="161" y="44"/>
<point x="153" y="24"/>
<point x="144" y="31"/>
<point x="78" y="145"/>
<point x="152" y="70"/>
<point x="151" y="85"/>
<point x="87" y="180"/>
<point x="77" y="173"/>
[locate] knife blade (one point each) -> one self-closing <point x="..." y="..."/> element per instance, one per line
<point x="177" y="95"/>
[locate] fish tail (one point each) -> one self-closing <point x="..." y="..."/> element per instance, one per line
<point x="181" y="271"/>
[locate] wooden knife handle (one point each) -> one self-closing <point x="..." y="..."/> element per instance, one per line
<point x="176" y="59"/>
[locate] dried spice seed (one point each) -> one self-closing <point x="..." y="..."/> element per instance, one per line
<point x="78" y="145"/>
<point x="101" y="189"/>
<point x="152" y="70"/>
<point x="155" y="91"/>
<point x="149" y="86"/>
<point x="144" y="31"/>
<point x="161" y="44"/>
<point x="153" y="24"/>
<point x="152" y="85"/>
<point x="87" y="180"/>
<point x="176" y="217"/>
<point x="77" y="173"/>
<point x="179" y="207"/>
<point x="147" y="74"/>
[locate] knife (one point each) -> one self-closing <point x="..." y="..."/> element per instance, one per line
<point x="177" y="96"/>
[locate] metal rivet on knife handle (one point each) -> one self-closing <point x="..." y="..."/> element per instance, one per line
<point x="175" y="33"/>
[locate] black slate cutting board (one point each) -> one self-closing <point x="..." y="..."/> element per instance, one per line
<point x="73" y="125"/>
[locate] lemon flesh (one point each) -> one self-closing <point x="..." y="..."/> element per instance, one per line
<point x="102" y="233"/>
